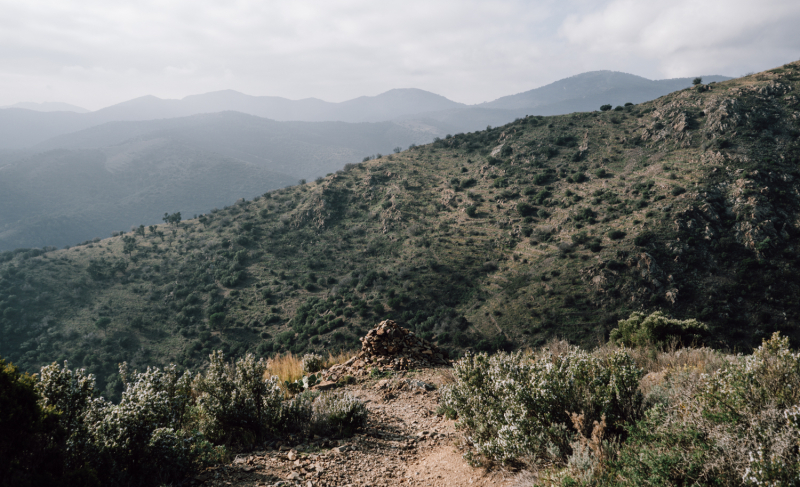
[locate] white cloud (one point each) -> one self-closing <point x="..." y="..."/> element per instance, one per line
<point x="94" y="53"/>
<point x="687" y="37"/>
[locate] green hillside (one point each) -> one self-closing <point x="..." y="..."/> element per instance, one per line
<point x="547" y="226"/>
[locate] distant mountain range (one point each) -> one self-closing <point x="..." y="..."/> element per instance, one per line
<point x="23" y="126"/>
<point x="62" y="179"/>
<point x="48" y="106"/>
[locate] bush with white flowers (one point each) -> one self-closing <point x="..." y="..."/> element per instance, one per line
<point x="238" y="399"/>
<point x="514" y="406"/>
<point x="312" y="363"/>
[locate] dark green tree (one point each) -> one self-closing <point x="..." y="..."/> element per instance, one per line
<point x="128" y="245"/>
<point x="172" y="219"/>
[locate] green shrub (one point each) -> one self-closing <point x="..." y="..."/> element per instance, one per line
<point x="30" y="435"/>
<point x="312" y="363"/>
<point x="338" y="414"/>
<point x="656" y="329"/>
<point x="735" y="426"/>
<point x="616" y="234"/>
<point x="140" y="441"/>
<point x="471" y="211"/>
<point x="236" y="401"/>
<point x="513" y="406"/>
<point x="525" y="209"/>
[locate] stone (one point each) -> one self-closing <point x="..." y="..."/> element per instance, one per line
<point x="389" y="346"/>
<point x="325" y="385"/>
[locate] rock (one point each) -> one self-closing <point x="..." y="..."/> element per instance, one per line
<point x="295" y="476"/>
<point x="390" y="346"/>
<point x="418" y="384"/>
<point x="292" y="456"/>
<point x="325" y="385"/>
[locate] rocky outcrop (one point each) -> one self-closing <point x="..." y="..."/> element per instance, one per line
<point x="389" y="346"/>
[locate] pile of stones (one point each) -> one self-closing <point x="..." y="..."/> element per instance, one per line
<point x="389" y="346"/>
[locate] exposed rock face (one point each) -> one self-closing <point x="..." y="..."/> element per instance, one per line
<point x="390" y="346"/>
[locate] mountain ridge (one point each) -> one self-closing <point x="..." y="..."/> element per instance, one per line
<point x="19" y="130"/>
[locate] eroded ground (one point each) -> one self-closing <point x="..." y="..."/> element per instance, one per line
<point x="405" y="443"/>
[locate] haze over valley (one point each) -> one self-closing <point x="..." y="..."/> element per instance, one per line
<point x="69" y="175"/>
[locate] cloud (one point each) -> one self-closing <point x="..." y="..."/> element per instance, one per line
<point x="94" y="53"/>
<point x="686" y="37"/>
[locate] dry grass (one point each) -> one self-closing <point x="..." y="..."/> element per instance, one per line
<point x="289" y="367"/>
<point x="339" y="357"/>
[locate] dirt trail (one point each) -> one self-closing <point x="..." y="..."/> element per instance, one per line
<point x="404" y="443"/>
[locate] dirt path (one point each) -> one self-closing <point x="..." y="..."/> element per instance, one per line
<point x="405" y="443"/>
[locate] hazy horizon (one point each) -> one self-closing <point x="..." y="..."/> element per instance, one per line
<point x="29" y="104"/>
<point x="95" y="54"/>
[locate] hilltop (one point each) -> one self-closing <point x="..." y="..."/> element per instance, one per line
<point x="502" y="238"/>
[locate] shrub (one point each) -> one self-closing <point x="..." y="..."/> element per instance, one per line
<point x="471" y="211"/>
<point x="656" y="329"/>
<point x="526" y="209"/>
<point x="141" y="440"/>
<point x="312" y="363"/>
<point x="237" y="401"/>
<point x="736" y="426"/>
<point x="27" y="433"/>
<point x="677" y="190"/>
<point x="616" y="234"/>
<point x="605" y="108"/>
<point x="338" y="414"/>
<point x="514" y="406"/>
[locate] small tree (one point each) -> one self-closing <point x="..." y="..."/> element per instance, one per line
<point x="128" y="245"/>
<point x="140" y="230"/>
<point x="605" y="108"/>
<point x="697" y="81"/>
<point x="172" y="219"/>
<point x="397" y="150"/>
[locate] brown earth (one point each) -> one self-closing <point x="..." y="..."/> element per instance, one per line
<point x="404" y="443"/>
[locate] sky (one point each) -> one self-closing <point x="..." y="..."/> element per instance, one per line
<point x="95" y="53"/>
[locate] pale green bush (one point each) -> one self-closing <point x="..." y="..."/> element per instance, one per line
<point x="736" y="426"/>
<point x="338" y="414"/>
<point x="238" y="400"/>
<point x="656" y="329"/>
<point x="516" y="406"/>
<point x="160" y="430"/>
<point x="71" y="393"/>
<point x="126" y="443"/>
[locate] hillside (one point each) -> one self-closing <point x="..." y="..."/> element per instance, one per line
<point x="547" y="226"/>
<point x="126" y="173"/>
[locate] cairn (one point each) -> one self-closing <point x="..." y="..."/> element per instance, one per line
<point x="390" y="346"/>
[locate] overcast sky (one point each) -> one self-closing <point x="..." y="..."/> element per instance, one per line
<point x="95" y="53"/>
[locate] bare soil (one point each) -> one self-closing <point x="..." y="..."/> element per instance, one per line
<point x="404" y="443"/>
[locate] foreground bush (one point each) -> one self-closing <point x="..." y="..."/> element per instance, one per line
<point x="57" y="431"/>
<point x="737" y="426"/>
<point x="238" y="400"/>
<point x="514" y="406"/>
